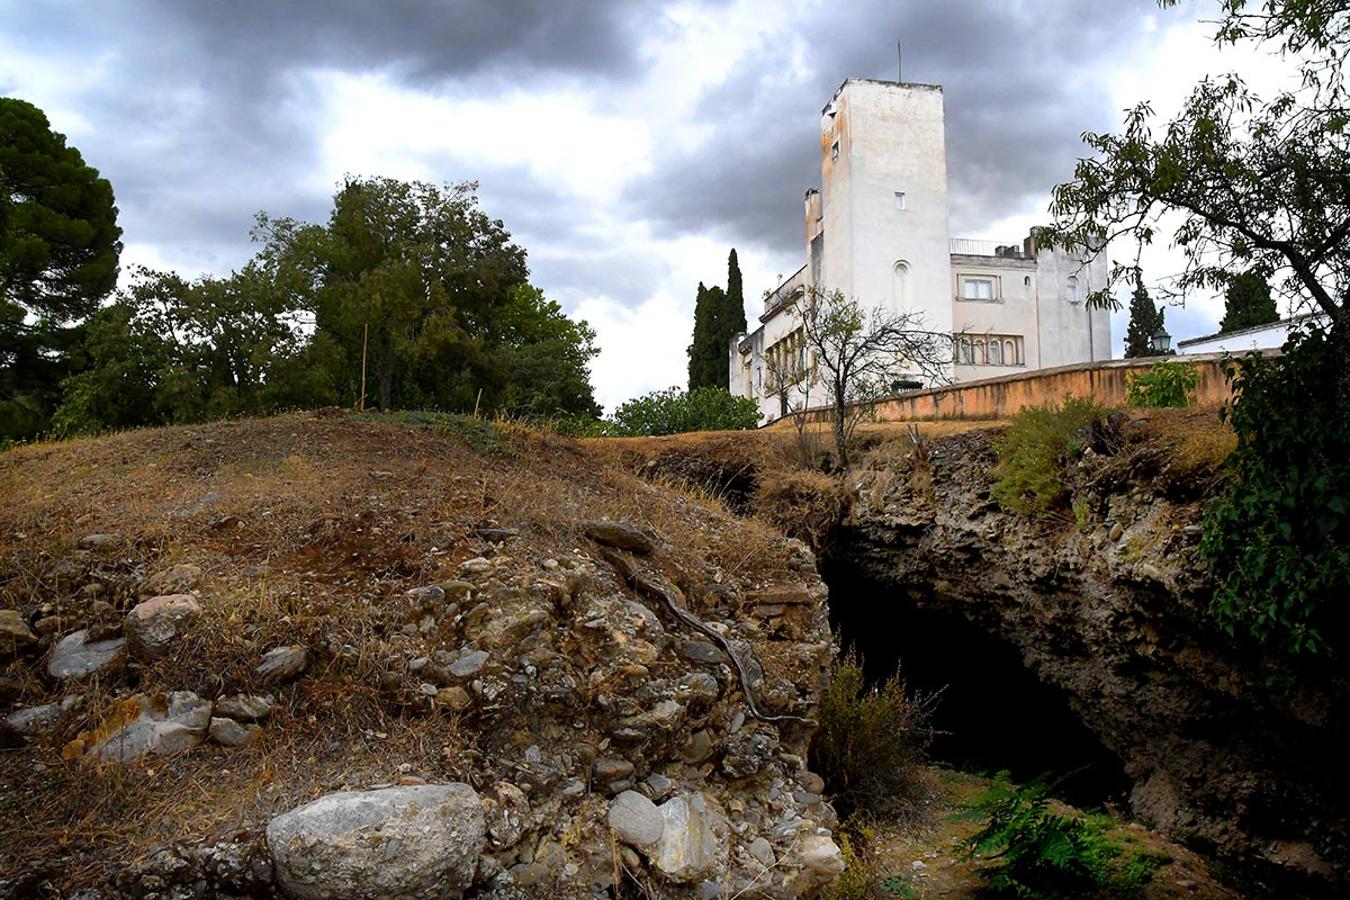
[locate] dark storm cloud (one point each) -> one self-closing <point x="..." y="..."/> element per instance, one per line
<point x="1016" y="104"/>
<point x="202" y="119"/>
<point x="202" y="113"/>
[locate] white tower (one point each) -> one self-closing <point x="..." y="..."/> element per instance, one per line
<point x="883" y="205"/>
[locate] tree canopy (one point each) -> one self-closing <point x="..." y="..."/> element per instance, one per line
<point x="1258" y="183"/>
<point x="1248" y="303"/>
<point x="413" y="277"/>
<point x="59" y="248"/>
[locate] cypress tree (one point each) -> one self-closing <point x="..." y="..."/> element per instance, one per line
<point x="1247" y="303"/>
<point x="1145" y="320"/>
<point x="698" y="347"/>
<point x="735" y="305"/>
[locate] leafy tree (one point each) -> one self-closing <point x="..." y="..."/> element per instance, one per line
<point x="172" y="351"/>
<point x="416" y="285"/>
<point x="1248" y="303"/>
<point x="1257" y="183"/>
<point x="1278" y="539"/>
<point x="858" y="357"/>
<point x="59" y="245"/>
<point x="1146" y="320"/>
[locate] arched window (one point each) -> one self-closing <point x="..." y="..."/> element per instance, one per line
<point x="1071" y="289"/>
<point x="980" y="357"/>
<point x="1010" y="354"/>
<point x="900" y="284"/>
<point x="995" y="353"/>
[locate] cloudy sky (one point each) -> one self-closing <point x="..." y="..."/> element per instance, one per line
<point x="627" y="145"/>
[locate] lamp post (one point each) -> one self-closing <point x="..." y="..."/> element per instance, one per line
<point x="1161" y="342"/>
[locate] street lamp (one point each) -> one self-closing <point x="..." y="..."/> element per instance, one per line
<point x="1161" y="342"/>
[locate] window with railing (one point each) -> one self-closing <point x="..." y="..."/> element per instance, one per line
<point x="989" y="350"/>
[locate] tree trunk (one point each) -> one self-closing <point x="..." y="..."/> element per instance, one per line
<point x="387" y="376"/>
<point x="840" y="435"/>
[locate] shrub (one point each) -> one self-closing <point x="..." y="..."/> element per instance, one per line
<point x="1165" y="384"/>
<point x="1278" y="539"/>
<point x="674" y="411"/>
<point x="1042" y="854"/>
<point x="870" y="741"/>
<point x="1029" y="475"/>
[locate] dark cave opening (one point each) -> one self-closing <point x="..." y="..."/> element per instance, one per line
<point x="993" y="713"/>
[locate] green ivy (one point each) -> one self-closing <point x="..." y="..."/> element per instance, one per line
<point x="1165" y="384"/>
<point x="1278" y="539"/>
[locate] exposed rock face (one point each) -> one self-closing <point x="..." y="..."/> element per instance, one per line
<point x="412" y="841"/>
<point x="75" y="655"/>
<point x="1217" y="750"/>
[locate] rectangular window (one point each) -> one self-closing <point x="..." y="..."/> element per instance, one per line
<point x="900" y="200"/>
<point x="973" y="288"/>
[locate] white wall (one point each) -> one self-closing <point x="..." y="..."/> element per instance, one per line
<point x="1069" y="330"/>
<point x="1265" y="337"/>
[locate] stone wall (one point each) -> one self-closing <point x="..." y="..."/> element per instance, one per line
<point x="999" y="398"/>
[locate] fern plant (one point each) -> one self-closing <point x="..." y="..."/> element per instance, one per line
<point x="1040" y="853"/>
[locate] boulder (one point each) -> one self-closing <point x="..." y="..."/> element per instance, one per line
<point x="99" y="541"/>
<point x="36" y="719"/>
<point x="154" y="625"/>
<point x="693" y="842"/>
<point x="177" y="579"/>
<point x="141" y="724"/>
<point x="619" y="534"/>
<point x="469" y="664"/>
<point x="283" y="663"/>
<point x="75" y="656"/>
<point x="14" y="631"/>
<point x="414" y="840"/>
<point x="245" y="707"/>
<point x="229" y="733"/>
<point x="635" y="820"/>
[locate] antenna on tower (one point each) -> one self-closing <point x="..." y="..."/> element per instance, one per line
<point x="899" y="64"/>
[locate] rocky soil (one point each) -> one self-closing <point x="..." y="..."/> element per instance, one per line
<point x="1108" y="601"/>
<point x="319" y="656"/>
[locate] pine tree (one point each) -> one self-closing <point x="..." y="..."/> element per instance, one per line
<point x="1248" y="303"/>
<point x="1145" y="321"/>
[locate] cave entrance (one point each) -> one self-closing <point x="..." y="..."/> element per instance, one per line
<point x="993" y="713"/>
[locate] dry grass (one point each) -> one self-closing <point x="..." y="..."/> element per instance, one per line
<point x="309" y="528"/>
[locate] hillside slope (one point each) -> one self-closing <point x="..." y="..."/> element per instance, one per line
<point x="356" y="603"/>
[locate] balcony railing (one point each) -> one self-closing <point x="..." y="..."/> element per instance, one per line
<point x="972" y="247"/>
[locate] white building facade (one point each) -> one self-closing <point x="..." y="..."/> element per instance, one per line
<point x="877" y="230"/>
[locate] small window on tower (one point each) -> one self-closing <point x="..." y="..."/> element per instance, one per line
<point x="1071" y="290"/>
<point x="900" y="200"/>
<point x="834" y="150"/>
